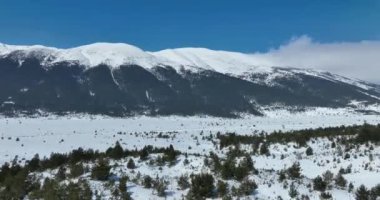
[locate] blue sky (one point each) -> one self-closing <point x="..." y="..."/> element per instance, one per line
<point x="235" y="25"/>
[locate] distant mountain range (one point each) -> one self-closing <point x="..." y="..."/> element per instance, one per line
<point x="123" y="80"/>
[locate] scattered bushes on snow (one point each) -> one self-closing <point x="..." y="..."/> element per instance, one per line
<point x="364" y="133"/>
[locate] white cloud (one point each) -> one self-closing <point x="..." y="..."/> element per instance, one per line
<point x="352" y="59"/>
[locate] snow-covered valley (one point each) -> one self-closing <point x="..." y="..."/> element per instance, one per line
<point x="44" y="135"/>
<point x="23" y="137"/>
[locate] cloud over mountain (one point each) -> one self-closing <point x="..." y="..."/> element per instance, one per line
<point x="354" y="59"/>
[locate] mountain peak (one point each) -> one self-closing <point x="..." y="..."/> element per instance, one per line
<point x="113" y="54"/>
<point x="116" y="54"/>
<point x="111" y="47"/>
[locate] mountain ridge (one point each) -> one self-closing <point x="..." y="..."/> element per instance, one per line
<point x="121" y="53"/>
<point x="121" y="79"/>
<point x="103" y="52"/>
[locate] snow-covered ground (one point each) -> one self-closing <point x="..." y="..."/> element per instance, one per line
<point x="26" y="136"/>
<point x="44" y="135"/>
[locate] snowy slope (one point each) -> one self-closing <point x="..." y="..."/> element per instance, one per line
<point x="116" y="54"/>
<point x="220" y="61"/>
<point x="6" y="49"/>
<point x="110" y="54"/>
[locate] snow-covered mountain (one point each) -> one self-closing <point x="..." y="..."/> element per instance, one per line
<point x="117" y="54"/>
<point x="121" y="79"/>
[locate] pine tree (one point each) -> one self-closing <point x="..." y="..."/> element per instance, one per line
<point x="248" y="163"/>
<point x="228" y="168"/>
<point x="319" y="184"/>
<point x="328" y="176"/>
<point x="50" y="189"/>
<point x="309" y="151"/>
<point x="147" y="181"/>
<point x="76" y="170"/>
<point x="126" y="196"/>
<point x="144" y="154"/>
<point x="123" y="184"/>
<point x="247" y="187"/>
<point x="222" y="188"/>
<point x="240" y="172"/>
<point x="131" y="164"/>
<point x="350" y="187"/>
<point x="61" y="174"/>
<point x="375" y="192"/>
<point x="101" y="170"/>
<point x="202" y="186"/>
<point x="326" y="195"/>
<point x="183" y="182"/>
<point x="160" y="186"/>
<point x="170" y="154"/>
<point x="294" y="171"/>
<point x="264" y="149"/>
<point x="78" y="191"/>
<point x="293" y="193"/>
<point x="4" y="171"/>
<point x="117" y="152"/>
<point x="281" y="176"/>
<point x="86" y="193"/>
<point x="215" y="164"/>
<point x="340" y="180"/>
<point x="362" y="193"/>
<point x="34" y="163"/>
